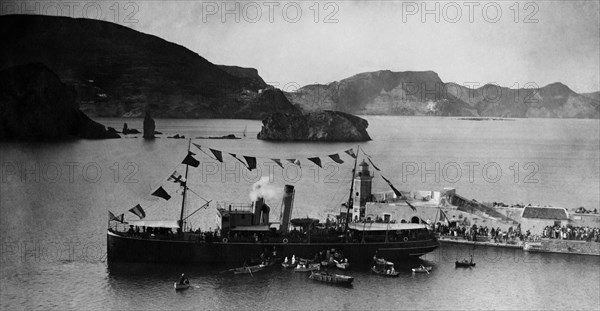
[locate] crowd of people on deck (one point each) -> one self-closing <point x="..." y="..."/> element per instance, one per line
<point x="572" y="233"/>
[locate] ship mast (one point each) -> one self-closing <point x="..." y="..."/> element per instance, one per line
<point x="350" y="203"/>
<point x="184" y="190"/>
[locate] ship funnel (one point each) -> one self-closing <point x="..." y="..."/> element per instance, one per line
<point x="258" y="205"/>
<point x="287" y="204"/>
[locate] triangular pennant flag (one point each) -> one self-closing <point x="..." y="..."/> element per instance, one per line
<point x="251" y="162"/>
<point x="336" y="158"/>
<point x="316" y="161"/>
<point x="294" y="161"/>
<point x="398" y="194"/>
<point x="375" y="167"/>
<point x="411" y="206"/>
<point x="278" y="162"/>
<point x="138" y="211"/>
<point x="217" y="154"/>
<point x="234" y="155"/>
<point x="200" y="148"/>
<point x="176" y="178"/>
<point x="189" y="160"/>
<point x="112" y="216"/>
<point x="350" y="152"/>
<point x="160" y="192"/>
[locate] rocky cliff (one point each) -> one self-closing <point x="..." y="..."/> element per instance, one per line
<point x="35" y="104"/>
<point x="424" y="93"/>
<point x="316" y="126"/>
<point x="119" y="72"/>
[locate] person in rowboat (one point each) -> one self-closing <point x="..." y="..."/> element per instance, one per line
<point x="183" y="280"/>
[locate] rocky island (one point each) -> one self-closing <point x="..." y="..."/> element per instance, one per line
<point x="330" y="126"/>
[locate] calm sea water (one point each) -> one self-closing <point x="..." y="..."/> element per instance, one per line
<point x="54" y="199"/>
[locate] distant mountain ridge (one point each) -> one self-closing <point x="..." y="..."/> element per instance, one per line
<point x="119" y="72"/>
<point x="424" y="93"/>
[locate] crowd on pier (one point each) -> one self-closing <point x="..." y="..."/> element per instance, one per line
<point x="481" y="233"/>
<point x="512" y="235"/>
<point x="572" y="233"/>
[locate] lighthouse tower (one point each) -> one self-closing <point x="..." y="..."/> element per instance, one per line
<point x="362" y="190"/>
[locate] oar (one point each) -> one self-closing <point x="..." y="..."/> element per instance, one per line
<point x="227" y="271"/>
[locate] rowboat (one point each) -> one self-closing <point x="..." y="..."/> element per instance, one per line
<point x="343" y="265"/>
<point x="289" y="264"/>
<point x="326" y="277"/>
<point x="386" y="269"/>
<point x="249" y="269"/>
<point x="421" y="269"/>
<point x="306" y="267"/>
<point x="464" y="264"/>
<point x="181" y="286"/>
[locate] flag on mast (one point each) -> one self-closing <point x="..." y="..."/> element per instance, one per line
<point x="190" y="160"/>
<point x="176" y="178"/>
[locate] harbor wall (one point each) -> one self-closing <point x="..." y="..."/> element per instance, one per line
<point x="564" y="246"/>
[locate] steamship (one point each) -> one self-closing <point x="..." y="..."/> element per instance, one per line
<point x="245" y="232"/>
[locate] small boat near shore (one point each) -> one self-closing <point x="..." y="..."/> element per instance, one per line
<point x="342" y="264"/>
<point x="179" y="286"/>
<point x="248" y="269"/>
<point x="384" y="268"/>
<point x="422" y="269"/>
<point x="463" y="264"/>
<point x="307" y="267"/>
<point x="183" y="283"/>
<point x="325" y="277"/>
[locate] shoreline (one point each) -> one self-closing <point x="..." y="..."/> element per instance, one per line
<point x="543" y="246"/>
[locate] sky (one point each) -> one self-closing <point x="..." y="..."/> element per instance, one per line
<point x="295" y="43"/>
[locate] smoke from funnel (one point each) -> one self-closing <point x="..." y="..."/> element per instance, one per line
<point x="263" y="189"/>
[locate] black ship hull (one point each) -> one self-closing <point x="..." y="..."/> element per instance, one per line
<point x="123" y="248"/>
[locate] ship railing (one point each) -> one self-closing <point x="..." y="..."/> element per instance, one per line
<point x="234" y="206"/>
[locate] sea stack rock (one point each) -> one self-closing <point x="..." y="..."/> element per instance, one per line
<point x="149" y="126"/>
<point x="325" y="125"/>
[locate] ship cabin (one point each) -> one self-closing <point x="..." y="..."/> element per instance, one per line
<point x="244" y="222"/>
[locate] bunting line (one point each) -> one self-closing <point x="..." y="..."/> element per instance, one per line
<point x="411" y="206"/>
<point x="278" y="162"/>
<point x="372" y="164"/>
<point x="396" y="191"/>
